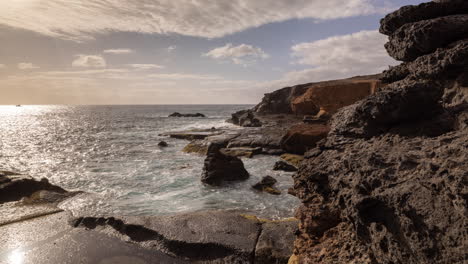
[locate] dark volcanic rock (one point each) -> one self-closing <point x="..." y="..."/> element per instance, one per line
<point x="13" y="186"/>
<point x="284" y="166"/>
<point x="245" y="118"/>
<point x="424" y="11"/>
<point x="177" y="114"/>
<point x="219" y="168"/>
<point x="162" y="144"/>
<point x="420" y="38"/>
<point x="389" y="183"/>
<point x="266" y="185"/>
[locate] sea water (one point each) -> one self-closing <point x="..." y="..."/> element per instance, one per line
<point x="112" y="154"/>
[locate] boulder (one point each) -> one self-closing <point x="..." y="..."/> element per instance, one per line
<point x="177" y="114"/>
<point x="302" y="137"/>
<point x="14" y="186"/>
<point x="331" y="97"/>
<point x="220" y="168"/>
<point x="245" y="118"/>
<point x="276" y="242"/>
<point x="193" y="134"/>
<point x="266" y="185"/>
<point x="162" y="144"/>
<point x="284" y="166"/>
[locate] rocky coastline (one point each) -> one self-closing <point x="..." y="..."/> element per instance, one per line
<point x="379" y="162"/>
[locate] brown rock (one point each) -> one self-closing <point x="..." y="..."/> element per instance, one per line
<point x="302" y="137"/>
<point x="329" y="98"/>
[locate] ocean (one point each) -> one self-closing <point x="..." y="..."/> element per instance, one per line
<point x="112" y="154"/>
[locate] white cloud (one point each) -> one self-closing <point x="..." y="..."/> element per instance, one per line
<point x="119" y="51"/>
<point x="341" y="56"/>
<point x="242" y="54"/>
<point x="2" y="66"/>
<point x="89" y="61"/>
<point x="27" y="66"/>
<point x="171" y="48"/>
<point x="183" y="76"/>
<point x="145" y="66"/>
<point x="79" y="20"/>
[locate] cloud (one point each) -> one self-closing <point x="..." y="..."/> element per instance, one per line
<point x="2" y="66"/>
<point x="80" y="20"/>
<point x="27" y="66"/>
<point x="145" y="66"/>
<point x="89" y="61"/>
<point x="184" y="76"/>
<point x="171" y="48"/>
<point x="340" y="56"/>
<point x="242" y="54"/>
<point x="119" y="51"/>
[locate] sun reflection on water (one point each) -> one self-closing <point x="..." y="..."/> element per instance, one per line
<point x="16" y="257"/>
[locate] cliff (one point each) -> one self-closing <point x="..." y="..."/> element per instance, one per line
<point x="389" y="183"/>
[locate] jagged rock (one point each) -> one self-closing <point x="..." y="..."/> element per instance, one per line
<point x="284" y="166"/>
<point x="177" y="114"/>
<point x="245" y="118"/>
<point x="424" y="11"/>
<point x="193" y="134"/>
<point x="388" y="184"/>
<point x="162" y="144"/>
<point x="302" y="137"/>
<point x="219" y="168"/>
<point x="420" y="38"/>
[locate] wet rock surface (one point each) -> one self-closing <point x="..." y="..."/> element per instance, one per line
<point x="284" y="166"/>
<point x="389" y="183"/>
<point x="266" y="185"/>
<point x="220" y="168"/>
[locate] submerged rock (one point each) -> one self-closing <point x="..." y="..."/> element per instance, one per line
<point x="284" y="166"/>
<point x="162" y="144"/>
<point x="219" y="168"/>
<point x="266" y="185"/>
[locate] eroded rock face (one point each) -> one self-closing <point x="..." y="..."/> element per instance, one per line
<point x="389" y="183"/>
<point x="302" y="137"/>
<point x="330" y="98"/>
<point x="220" y="168"/>
<point x="245" y="118"/>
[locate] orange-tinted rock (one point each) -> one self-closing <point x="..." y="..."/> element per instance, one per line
<point x="302" y="137"/>
<point x="331" y="97"/>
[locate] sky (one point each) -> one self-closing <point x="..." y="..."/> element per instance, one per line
<point x="183" y="51"/>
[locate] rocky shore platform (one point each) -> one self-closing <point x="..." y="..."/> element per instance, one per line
<point x="33" y="229"/>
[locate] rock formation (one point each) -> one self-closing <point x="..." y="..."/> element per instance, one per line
<point x="302" y="137"/>
<point x="284" y="166"/>
<point x="245" y="118"/>
<point x="220" y="168"/>
<point x="389" y="183"/>
<point x="177" y="114"/>
<point x="266" y="185"/>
